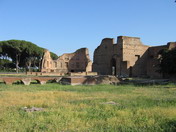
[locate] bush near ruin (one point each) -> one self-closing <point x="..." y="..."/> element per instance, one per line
<point x="167" y="62"/>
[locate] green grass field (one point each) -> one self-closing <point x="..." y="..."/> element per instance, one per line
<point x="85" y="108"/>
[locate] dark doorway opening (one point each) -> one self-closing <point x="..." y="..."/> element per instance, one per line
<point x="130" y="71"/>
<point x="72" y="70"/>
<point x="113" y="67"/>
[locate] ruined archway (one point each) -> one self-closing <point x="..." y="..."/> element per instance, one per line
<point x="113" y="66"/>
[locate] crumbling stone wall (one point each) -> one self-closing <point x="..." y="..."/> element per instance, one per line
<point x="133" y="56"/>
<point x="102" y="57"/>
<point x="127" y="57"/>
<point x="119" y="58"/>
<point x="78" y="61"/>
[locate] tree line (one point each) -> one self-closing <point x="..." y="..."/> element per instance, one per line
<point x="21" y="54"/>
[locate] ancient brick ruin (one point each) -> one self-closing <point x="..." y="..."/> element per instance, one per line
<point x="128" y="57"/>
<point x="78" y="61"/>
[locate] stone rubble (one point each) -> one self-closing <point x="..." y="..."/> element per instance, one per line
<point x="33" y="109"/>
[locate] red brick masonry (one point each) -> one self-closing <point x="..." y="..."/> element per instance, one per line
<point x="27" y="80"/>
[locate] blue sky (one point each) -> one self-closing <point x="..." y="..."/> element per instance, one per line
<point x="62" y="26"/>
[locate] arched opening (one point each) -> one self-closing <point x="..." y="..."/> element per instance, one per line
<point x="17" y="82"/>
<point x="113" y="67"/>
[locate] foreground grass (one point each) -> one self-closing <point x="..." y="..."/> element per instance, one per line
<point x="84" y="108"/>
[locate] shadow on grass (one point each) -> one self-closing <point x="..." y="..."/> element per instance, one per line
<point x="169" y="126"/>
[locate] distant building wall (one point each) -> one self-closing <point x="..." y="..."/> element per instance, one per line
<point x="78" y="61"/>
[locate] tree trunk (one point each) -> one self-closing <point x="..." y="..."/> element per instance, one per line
<point x="17" y="63"/>
<point x="39" y="66"/>
<point x="29" y="66"/>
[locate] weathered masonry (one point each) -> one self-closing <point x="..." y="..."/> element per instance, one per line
<point x="128" y="57"/>
<point x="78" y="61"/>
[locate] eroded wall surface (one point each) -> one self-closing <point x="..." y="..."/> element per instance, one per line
<point x="78" y="61"/>
<point x="102" y="57"/>
<point x="134" y="54"/>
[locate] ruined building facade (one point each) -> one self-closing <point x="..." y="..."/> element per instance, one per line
<point x="128" y="57"/>
<point x="78" y="61"/>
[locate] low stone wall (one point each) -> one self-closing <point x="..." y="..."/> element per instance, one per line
<point x="33" y="73"/>
<point x="70" y="80"/>
<point x="45" y="74"/>
<point x="52" y="74"/>
<point x="62" y="74"/>
<point x="27" y="80"/>
<point x="82" y="73"/>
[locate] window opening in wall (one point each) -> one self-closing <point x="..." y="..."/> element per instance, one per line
<point x="138" y="57"/>
<point x="66" y="58"/>
<point x="66" y="63"/>
<point x="55" y="64"/>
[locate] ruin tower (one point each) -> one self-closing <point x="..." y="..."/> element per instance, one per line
<point x="46" y="61"/>
<point x="123" y="58"/>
